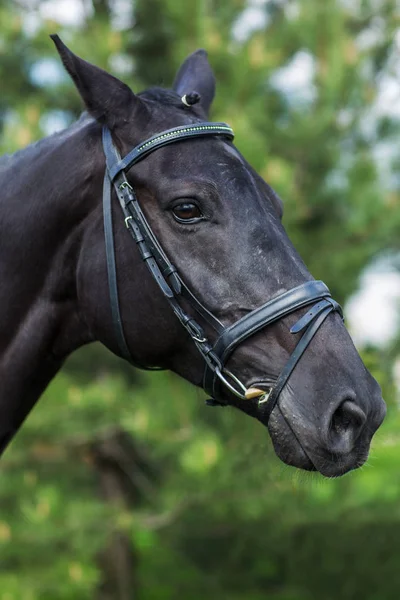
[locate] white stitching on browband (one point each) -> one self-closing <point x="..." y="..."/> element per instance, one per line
<point x="174" y="133"/>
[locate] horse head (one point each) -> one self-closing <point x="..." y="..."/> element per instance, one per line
<point x="212" y="280"/>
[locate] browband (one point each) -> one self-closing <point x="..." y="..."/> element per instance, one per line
<point x="157" y="141"/>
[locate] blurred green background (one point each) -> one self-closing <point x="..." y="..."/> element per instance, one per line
<point x="123" y="485"/>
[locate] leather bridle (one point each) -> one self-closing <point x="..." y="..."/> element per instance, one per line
<point x="215" y="354"/>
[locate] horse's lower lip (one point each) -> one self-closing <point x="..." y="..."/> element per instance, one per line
<point x="340" y="465"/>
<point x="327" y="468"/>
<point x="297" y="459"/>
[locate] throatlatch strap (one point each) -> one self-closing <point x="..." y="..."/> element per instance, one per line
<point x="112" y="270"/>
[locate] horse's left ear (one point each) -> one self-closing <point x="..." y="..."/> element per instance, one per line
<point x="107" y="98"/>
<point x="195" y="75"/>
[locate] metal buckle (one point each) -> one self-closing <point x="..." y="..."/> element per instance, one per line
<point x="194" y="330"/>
<point x="199" y="340"/>
<point x="125" y="185"/>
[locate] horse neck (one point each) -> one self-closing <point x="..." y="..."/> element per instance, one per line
<point x="44" y="208"/>
<point x="44" y="203"/>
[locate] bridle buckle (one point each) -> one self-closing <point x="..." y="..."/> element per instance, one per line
<point x="127" y="219"/>
<point x="125" y="185"/>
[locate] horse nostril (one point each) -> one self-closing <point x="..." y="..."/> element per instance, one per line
<point x="346" y="424"/>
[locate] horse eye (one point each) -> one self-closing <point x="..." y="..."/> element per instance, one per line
<point x="187" y="212"/>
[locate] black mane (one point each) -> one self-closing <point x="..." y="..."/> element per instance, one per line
<point x="163" y="96"/>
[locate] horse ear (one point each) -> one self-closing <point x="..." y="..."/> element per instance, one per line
<point x="107" y="99"/>
<point x="196" y="74"/>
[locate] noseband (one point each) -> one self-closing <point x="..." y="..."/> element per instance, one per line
<point x="313" y="294"/>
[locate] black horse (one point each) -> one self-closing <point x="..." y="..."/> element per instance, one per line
<point x="210" y="249"/>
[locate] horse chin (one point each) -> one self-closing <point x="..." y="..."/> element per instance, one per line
<point x="286" y="446"/>
<point x="288" y="449"/>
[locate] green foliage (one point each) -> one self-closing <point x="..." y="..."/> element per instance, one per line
<point x="224" y="518"/>
<point x="198" y="493"/>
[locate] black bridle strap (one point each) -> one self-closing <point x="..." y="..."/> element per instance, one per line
<point x="273" y="310"/>
<point x="267" y="404"/>
<point x="112" y="270"/>
<point x="136" y="220"/>
<point x="112" y="278"/>
<point x="112" y="153"/>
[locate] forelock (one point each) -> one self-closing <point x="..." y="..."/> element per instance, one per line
<point x="162" y="96"/>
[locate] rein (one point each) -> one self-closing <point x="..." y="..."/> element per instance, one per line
<point x="215" y="354"/>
